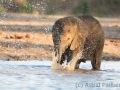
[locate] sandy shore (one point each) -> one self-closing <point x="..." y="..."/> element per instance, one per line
<point x="28" y="37"/>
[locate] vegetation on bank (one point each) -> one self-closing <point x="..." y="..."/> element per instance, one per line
<point x="93" y="7"/>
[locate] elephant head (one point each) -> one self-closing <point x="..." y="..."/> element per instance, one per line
<point x="68" y="34"/>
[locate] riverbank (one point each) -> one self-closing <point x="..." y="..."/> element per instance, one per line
<point x="28" y="37"/>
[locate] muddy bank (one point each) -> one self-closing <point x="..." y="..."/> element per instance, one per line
<point x="15" y="45"/>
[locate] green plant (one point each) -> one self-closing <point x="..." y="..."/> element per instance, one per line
<point x="83" y="7"/>
<point x="111" y="2"/>
<point x="19" y="6"/>
<point x="28" y="7"/>
<point x="50" y="11"/>
<point x="103" y="10"/>
<point x="1" y="9"/>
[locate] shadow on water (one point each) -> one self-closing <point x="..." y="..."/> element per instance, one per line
<point x="79" y="72"/>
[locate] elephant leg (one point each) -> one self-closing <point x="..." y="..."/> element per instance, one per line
<point x="77" y="65"/>
<point x="55" y="65"/>
<point x="66" y="55"/>
<point x="74" y="61"/>
<point x="63" y="58"/>
<point x="69" y="56"/>
<point x="96" y="62"/>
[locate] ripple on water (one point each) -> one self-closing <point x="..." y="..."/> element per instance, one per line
<point x="36" y="75"/>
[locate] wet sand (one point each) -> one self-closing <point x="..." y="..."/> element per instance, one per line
<point x="28" y="37"/>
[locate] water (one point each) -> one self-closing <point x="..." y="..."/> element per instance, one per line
<point x="36" y="75"/>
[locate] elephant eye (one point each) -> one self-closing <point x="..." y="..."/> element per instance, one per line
<point x="68" y="38"/>
<point x="68" y="30"/>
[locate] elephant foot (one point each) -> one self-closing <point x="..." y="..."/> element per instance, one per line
<point x="69" y="66"/>
<point x="72" y="65"/>
<point x="55" y="65"/>
<point x="95" y="68"/>
<point x="77" y="66"/>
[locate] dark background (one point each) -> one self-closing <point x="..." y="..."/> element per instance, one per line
<point x="54" y="7"/>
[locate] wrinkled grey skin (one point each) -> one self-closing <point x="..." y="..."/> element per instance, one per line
<point x="77" y="39"/>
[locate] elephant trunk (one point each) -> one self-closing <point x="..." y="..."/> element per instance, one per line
<point x="56" y="58"/>
<point x="55" y="65"/>
<point x="59" y="56"/>
<point x="61" y="51"/>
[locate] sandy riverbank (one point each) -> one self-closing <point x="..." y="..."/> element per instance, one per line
<point x="15" y="45"/>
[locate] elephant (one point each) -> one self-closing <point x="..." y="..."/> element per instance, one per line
<point x="77" y="39"/>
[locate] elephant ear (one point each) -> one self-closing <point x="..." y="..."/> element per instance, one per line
<point x="74" y="43"/>
<point x="80" y="36"/>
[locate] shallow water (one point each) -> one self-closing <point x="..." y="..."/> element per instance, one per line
<point x="36" y="75"/>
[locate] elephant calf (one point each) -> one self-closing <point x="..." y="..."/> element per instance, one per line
<point x="77" y="39"/>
